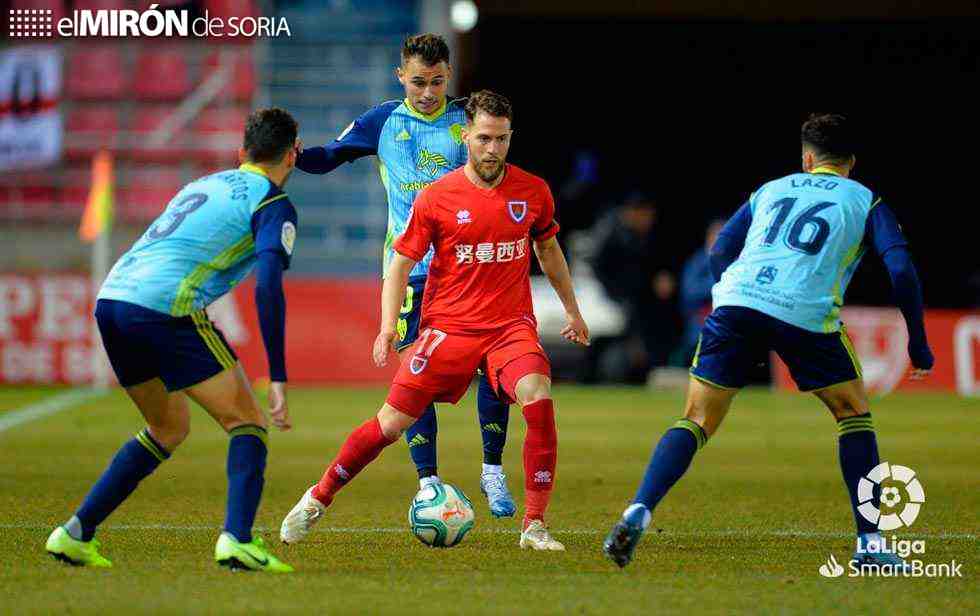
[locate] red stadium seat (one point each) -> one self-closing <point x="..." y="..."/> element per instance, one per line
<point x="241" y="84"/>
<point x="230" y="8"/>
<point x="145" y="192"/>
<point x="90" y="129"/>
<point x="143" y="124"/>
<point x="96" y="74"/>
<point x="162" y="75"/>
<point x="95" y="5"/>
<point x="218" y="135"/>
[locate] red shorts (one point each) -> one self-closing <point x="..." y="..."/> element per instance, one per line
<point x="440" y="366"/>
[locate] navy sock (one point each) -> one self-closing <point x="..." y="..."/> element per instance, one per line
<point x="133" y="462"/>
<point x="246" y="476"/>
<point x="494" y="415"/>
<point x="421" y="438"/>
<point x="670" y="460"/>
<point x="858" y="451"/>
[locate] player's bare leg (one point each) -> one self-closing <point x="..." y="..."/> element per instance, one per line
<point x="705" y="409"/>
<point x="858" y="454"/>
<point x="362" y="446"/>
<point x="533" y="393"/>
<point x="168" y="424"/>
<point x="229" y="399"/>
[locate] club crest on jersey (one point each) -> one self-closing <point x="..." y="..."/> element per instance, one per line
<point x="418" y="363"/>
<point x="517" y="210"/>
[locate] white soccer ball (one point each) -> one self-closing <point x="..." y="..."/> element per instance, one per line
<point x="440" y="515"/>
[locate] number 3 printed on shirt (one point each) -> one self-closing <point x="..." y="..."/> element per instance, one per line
<point x="422" y="352"/>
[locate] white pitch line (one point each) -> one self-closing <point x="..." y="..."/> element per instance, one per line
<point x="48" y="406"/>
<point x="501" y="531"/>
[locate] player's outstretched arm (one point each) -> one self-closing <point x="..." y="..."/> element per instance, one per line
<point x="359" y="139"/>
<point x="555" y="267"/>
<point x="270" y="303"/>
<point x="392" y="297"/>
<point x="730" y="241"/>
<point x="884" y="233"/>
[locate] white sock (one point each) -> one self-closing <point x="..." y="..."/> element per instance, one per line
<point x="646" y="513"/>
<point x="493" y="469"/>
<point x="74" y="528"/>
<point x="428" y="481"/>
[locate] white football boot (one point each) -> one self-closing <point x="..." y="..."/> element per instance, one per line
<point x="301" y="518"/>
<point x="537" y="537"/>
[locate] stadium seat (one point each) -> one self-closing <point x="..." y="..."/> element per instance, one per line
<point x="230" y="8"/>
<point x="218" y="135"/>
<point x="38" y="197"/>
<point x="162" y="74"/>
<point x="241" y="84"/>
<point x="96" y="74"/>
<point x="90" y="129"/>
<point x="145" y="192"/>
<point x="143" y="123"/>
<point x="95" y="5"/>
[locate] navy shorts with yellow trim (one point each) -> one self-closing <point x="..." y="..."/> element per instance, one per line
<point x="734" y="339"/>
<point x="143" y="344"/>
<point x="411" y="313"/>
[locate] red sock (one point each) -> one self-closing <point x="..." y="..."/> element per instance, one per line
<point x="540" y="458"/>
<point x="361" y="447"/>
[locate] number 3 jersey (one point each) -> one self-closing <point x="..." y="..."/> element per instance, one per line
<point x="807" y="235"/>
<point x="479" y="279"/>
<point x="204" y="243"/>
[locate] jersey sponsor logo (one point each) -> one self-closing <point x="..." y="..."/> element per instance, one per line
<point x="343" y="134"/>
<point x="517" y="210"/>
<point x="288" y="237"/>
<point x="431" y="162"/>
<point x="403" y="136"/>
<point x="490" y="252"/>
<point x="766" y="275"/>
<point x="463" y="217"/>
<point x="413" y="186"/>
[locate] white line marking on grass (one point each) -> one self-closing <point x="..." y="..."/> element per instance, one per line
<point x="500" y="531"/>
<point x="48" y="406"/>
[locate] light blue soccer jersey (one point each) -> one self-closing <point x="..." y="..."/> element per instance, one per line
<point x="204" y="243"/>
<point x="413" y="151"/>
<point x="805" y="241"/>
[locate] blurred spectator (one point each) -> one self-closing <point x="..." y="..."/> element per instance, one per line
<point x="627" y="264"/>
<point x="695" y="296"/>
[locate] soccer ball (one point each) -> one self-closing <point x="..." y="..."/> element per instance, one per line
<point x="440" y="515"/>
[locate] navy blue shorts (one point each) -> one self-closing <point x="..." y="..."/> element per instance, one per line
<point x="411" y="313"/>
<point x="143" y="344"/>
<point x="733" y="339"/>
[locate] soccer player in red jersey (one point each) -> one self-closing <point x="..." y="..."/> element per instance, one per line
<point x="482" y="220"/>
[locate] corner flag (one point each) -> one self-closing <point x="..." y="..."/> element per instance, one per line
<point x="98" y="215"/>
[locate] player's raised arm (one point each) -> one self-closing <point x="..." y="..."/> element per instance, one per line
<point x="884" y="233"/>
<point x="554" y="266"/>
<point x="730" y="241"/>
<point x="359" y="139"/>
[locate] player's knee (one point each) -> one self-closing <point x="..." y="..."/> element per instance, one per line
<point x="170" y="434"/>
<point x="532" y="388"/>
<point x="250" y="415"/>
<point x="393" y="422"/>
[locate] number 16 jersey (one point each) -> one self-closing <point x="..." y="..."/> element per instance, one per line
<point x="204" y="243"/>
<point x="806" y="239"/>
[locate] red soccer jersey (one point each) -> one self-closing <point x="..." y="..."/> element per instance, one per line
<point x="479" y="279"/>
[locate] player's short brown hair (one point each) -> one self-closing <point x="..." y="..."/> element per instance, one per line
<point x="490" y="103"/>
<point x="430" y="48"/>
<point x="269" y="134"/>
<point x="829" y="135"/>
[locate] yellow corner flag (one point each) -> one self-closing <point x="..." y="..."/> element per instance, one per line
<point x="98" y="215"/>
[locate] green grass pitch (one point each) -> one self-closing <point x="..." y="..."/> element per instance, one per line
<point x="745" y="531"/>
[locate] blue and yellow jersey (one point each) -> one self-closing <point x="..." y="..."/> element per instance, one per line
<point x="413" y="151"/>
<point x="807" y="234"/>
<point x="204" y="243"/>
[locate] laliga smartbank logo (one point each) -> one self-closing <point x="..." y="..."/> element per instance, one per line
<point x="149" y="23"/>
<point x="876" y="555"/>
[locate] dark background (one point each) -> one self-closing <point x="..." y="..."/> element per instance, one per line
<point x="700" y="113"/>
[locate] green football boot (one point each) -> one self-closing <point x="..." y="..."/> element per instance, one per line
<point x="231" y="553"/>
<point x="62" y="546"/>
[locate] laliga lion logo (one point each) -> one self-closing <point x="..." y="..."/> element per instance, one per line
<point x="891" y="496"/>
